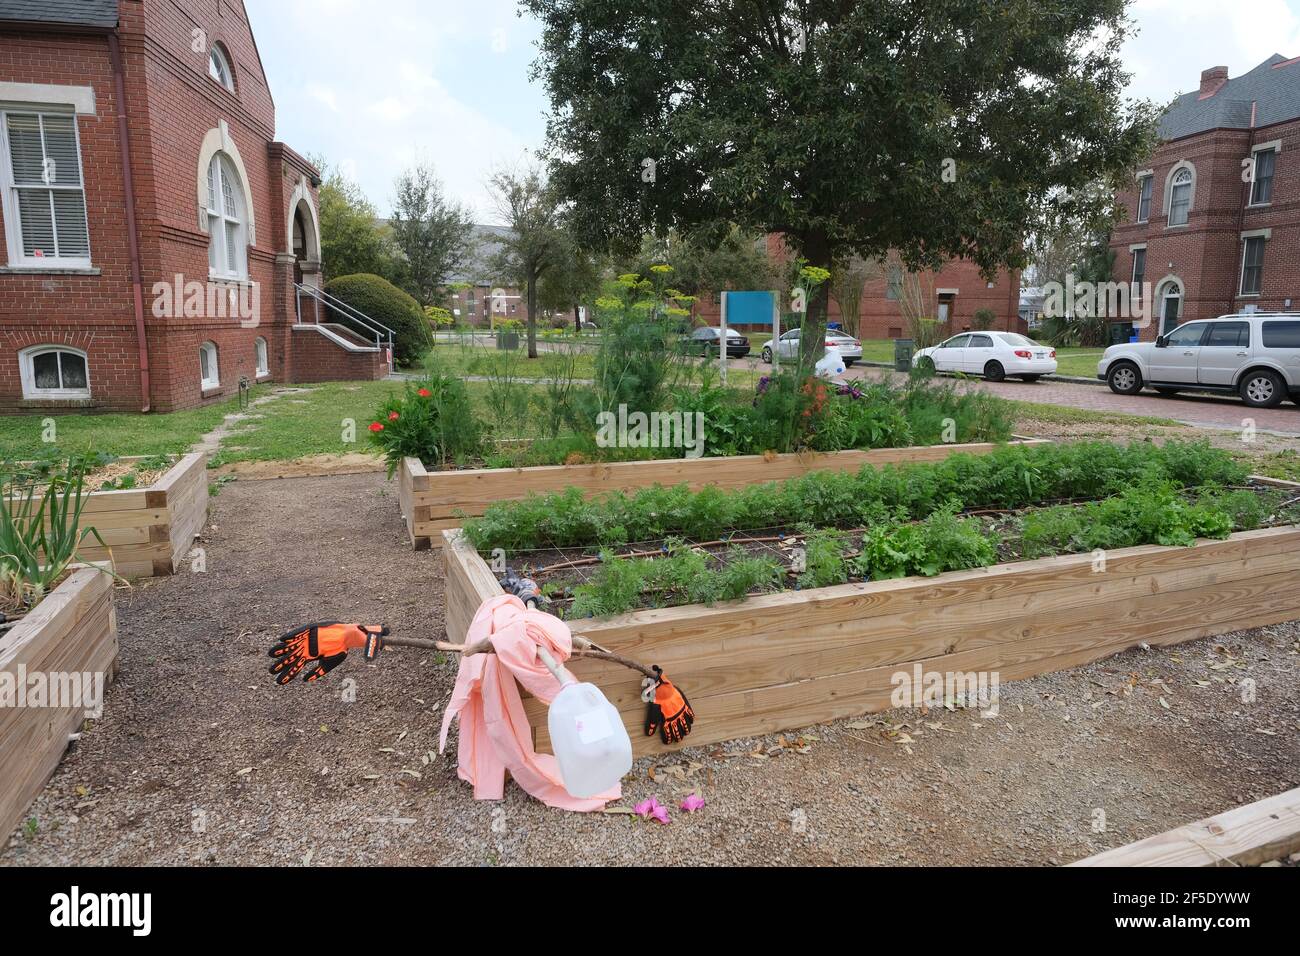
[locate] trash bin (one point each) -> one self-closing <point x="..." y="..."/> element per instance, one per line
<point x="903" y="350"/>
<point x="507" y="341"/>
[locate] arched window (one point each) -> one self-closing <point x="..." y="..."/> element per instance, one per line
<point x="262" y="357"/>
<point x="54" y="371"/>
<point x="227" y="221"/>
<point x="219" y="67"/>
<point x="209" y="370"/>
<point x="1180" y="197"/>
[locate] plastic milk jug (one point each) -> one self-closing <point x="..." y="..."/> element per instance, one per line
<point x="832" y="364"/>
<point x="590" y="741"/>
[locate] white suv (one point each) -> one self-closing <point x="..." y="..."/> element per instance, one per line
<point x="1255" y="355"/>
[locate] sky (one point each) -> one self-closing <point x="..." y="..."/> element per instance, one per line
<point x="376" y="85"/>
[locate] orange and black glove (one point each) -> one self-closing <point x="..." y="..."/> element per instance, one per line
<point x="326" y="645"/>
<point x="669" y="713"/>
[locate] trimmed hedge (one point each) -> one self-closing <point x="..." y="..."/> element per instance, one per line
<point x="384" y="302"/>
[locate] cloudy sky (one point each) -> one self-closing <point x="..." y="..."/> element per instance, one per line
<point x="373" y="85"/>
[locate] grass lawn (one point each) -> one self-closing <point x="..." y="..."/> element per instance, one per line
<point x="1283" y="464"/>
<point x="1064" y="415"/>
<point x="119" y="434"/>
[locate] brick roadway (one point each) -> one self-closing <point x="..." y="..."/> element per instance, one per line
<point x="1202" y="411"/>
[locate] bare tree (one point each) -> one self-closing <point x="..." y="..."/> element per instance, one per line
<point x="919" y="304"/>
<point x="849" y="278"/>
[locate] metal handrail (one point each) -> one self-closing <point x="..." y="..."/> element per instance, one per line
<point x="382" y="333"/>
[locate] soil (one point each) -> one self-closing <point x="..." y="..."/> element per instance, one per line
<point x="200" y="759"/>
<point x="115" y="472"/>
<point x="312" y="466"/>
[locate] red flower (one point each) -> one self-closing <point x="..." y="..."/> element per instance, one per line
<point x="376" y="428"/>
<point x="424" y="393"/>
<point x="393" y="416"/>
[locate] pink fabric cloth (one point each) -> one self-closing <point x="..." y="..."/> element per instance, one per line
<point x="494" y="733"/>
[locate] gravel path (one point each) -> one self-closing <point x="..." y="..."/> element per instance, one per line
<point x="200" y="759"/>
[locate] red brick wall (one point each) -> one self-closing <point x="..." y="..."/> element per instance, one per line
<point x="172" y="104"/>
<point x="1206" y="253"/>
<point x="93" y="312"/>
<point x="317" y="359"/>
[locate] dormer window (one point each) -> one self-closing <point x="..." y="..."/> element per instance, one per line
<point x="219" y="68"/>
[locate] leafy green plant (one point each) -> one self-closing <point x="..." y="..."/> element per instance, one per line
<point x="40" y="533"/>
<point x="824" y="560"/>
<point x="433" y="421"/>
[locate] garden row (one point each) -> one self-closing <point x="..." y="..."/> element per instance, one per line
<point x="871" y="575"/>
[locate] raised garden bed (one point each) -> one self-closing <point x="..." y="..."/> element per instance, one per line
<point x="433" y="502"/>
<point x="73" y="631"/>
<point x="149" y="530"/>
<point x="789" y="659"/>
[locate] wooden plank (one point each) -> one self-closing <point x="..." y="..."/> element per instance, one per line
<point x="1260" y="832"/>
<point x="456" y="494"/>
<point x="188" y="501"/>
<point x="468" y="583"/>
<point x="71" y="631"/>
<point x="1276" y="482"/>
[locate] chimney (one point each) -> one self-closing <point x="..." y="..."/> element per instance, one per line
<point x="1212" y="79"/>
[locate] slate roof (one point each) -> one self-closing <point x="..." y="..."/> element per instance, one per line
<point x="89" y="13"/>
<point x="1273" y="89"/>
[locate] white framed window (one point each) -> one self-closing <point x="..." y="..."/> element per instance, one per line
<point x="219" y="67"/>
<point x="209" y="370"/>
<point x="262" y="356"/>
<point x="1252" y="266"/>
<point x="1261" y="189"/>
<point x="1145" y="188"/>
<point x="227" y="221"/>
<point x="1180" y="197"/>
<point x="54" y="371"/>
<point x="44" y="196"/>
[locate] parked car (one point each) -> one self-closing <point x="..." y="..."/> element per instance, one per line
<point x="1254" y="355"/>
<point x="706" y="342"/>
<point x="995" y="355"/>
<point x="850" y="349"/>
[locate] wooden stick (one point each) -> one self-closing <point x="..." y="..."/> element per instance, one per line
<point x="582" y="648"/>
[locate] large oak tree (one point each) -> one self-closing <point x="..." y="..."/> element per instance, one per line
<point x="936" y="128"/>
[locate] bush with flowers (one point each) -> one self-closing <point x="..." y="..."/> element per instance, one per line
<point x="433" y="421"/>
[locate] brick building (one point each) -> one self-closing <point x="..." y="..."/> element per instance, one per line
<point x="952" y="295"/>
<point x="1213" y="218"/>
<point x="156" y="238"/>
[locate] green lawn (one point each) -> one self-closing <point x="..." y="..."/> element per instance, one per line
<point x="119" y="434"/>
<point x="1065" y="415"/>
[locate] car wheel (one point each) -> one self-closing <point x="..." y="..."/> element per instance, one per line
<point x="848" y="363"/>
<point x="1125" y="379"/>
<point x="1262" y="389"/>
<point x="1030" y="378"/>
<point x="925" y="363"/>
<point x="1167" y="392"/>
<point x="767" y="356"/>
<point x="994" y="372"/>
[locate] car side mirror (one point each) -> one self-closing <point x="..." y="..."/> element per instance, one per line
<point x="1162" y="342"/>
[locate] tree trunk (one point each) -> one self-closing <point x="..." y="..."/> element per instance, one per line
<point x="532" y="313"/>
<point x="577" y="320"/>
<point x="812" y="343"/>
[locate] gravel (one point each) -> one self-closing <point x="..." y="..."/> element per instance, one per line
<point x="201" y="760"/>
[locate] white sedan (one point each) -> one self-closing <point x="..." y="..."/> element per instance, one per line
<point x="850" y="349"/>
<point x="995" y="355"/>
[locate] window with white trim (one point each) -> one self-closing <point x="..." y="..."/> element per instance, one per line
<point x="262" y="357"/>
<point x="1261" y="189"/>
<point x="219" y="67"/>
<point x="54" y="371"/>
<point x="44" y="196"/>
<point x="1252" y="266"/>
<point x="209" y="370"/>
<point x="227" y="221"/>
<point x="1180" y="197"/>
<point x="1147" y="185"/>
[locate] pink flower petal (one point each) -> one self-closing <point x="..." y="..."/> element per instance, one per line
<point x="661" y="815"/>
<point x="692" y="803"/>
<point x="647" y="809"/>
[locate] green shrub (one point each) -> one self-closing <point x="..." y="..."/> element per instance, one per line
<point x="433" y="421"/>
<point x="388" y="305"/>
